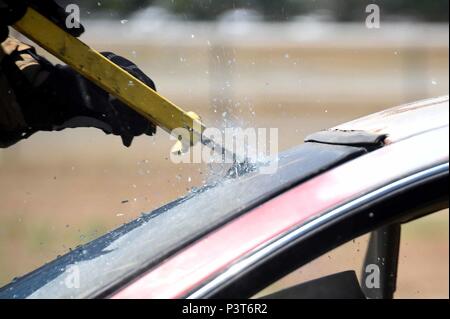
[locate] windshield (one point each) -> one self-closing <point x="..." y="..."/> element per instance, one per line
<point x="129" y="250"/>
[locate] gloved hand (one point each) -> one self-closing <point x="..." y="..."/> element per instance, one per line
<point x="87" y="105"/>
<point x="12" y="11"/>
<point x="56" y="97"/>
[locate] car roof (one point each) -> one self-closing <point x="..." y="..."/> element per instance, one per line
<point x="132" y="249"/>
<point x="403" y="121"/>
<point x="216" y="265"/>
<point x="145" y="242"/>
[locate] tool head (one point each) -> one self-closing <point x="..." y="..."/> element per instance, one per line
<point x="189" y="135"/>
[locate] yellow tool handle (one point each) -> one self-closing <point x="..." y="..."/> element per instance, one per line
<point x="109" y="76"/>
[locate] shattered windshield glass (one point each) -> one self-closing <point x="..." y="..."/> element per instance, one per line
<point x="133" y="248"/>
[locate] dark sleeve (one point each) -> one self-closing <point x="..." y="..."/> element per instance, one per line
<point x="12" y="122"/>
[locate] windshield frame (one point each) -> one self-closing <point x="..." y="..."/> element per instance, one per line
<point x="161" y="227"/>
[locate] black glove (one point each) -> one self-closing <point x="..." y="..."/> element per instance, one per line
<point x="91" y="106"/>
<point x="56" y="97"/>
<point x="68" y="100"/>
<point x="12" y="11"/>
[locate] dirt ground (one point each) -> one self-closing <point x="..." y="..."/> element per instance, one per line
<point x="59" y="190"/>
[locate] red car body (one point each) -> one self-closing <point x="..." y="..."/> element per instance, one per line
<point x="417" y="138"/>
<point x="385" y="169"/>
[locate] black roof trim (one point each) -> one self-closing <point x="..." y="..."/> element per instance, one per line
<point x="369" y="141"/>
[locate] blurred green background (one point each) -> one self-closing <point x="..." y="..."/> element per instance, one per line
<point x="300" y="66"/>
<point x="280" y="10"/>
